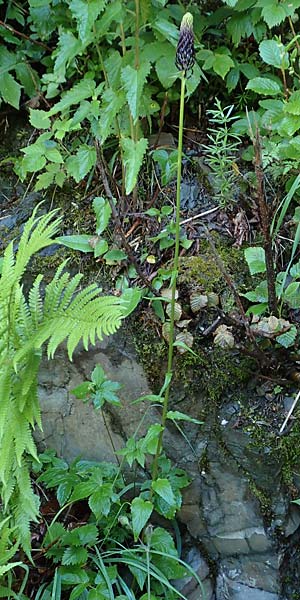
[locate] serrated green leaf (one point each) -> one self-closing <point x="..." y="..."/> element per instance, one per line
<point x="133" y="81"/>
<point x="44" y="180"/>
<point x="102" y="210"/>
<point x="176" y="415"/>
<point x="79" y="165"/>
<point x="222" y="64"/>
<point x="287" y="339"/>
<point x="39" y="119"/>
<point x="274" y="53"/>
<point x="10" y="90"/>
<point x="293" y="105"/>
<point x="264" y="86"/>
<point x="163" y="488"/>
<point x="273" y="15"/>
<point x="141" y="511"/>
<point x="74" y="556"/>
<point x="100" y="500"/>
<point x="86" y="14"/>
<point x="112" y="102"/>
<point x="256" y="259"/>
<point x="133" y="154"/>
<point x="76" y="242"/>
<point x="82" y="90"/>
<point x="292" y="294"/>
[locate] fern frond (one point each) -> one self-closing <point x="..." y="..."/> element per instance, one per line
<point x="23" y="439"/>
<point x="38" y="233"/>
<point x="35" y="302"/>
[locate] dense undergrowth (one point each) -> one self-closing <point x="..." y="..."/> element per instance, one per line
<point x="101" y="86"/>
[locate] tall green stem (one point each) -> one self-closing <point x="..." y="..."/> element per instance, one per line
<point x="173" y="280"/>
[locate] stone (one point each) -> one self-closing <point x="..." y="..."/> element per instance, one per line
<point x="189" y="586"/>
<point x="293" y="520"/>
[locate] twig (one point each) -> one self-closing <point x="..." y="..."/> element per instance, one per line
<point x="283" y="426"/>
<point x="265" y="223"/>
<point x="117" y="220"/>
<point x="24" y="36"/>
<point x="206" y="212"/>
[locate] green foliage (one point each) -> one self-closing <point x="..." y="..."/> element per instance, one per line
<point x="100" y="389"/>
<point x="221" y="154"/>
<point x="27" y="324"/>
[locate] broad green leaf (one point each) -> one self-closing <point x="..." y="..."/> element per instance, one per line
<point x="292" y="294"/>
<point x="78" y="166"/>
<point x="115" y="255"/>
<point x="133" y="81"/>
<point x="100" y="248"/>
<point x="176" y="415"/>
<point x="73" y="575"/>
<point x="82" y="390"/>
<point x="133" y="154"/>
<point x="67" y="48"/>
<point x="273" y="14"/>
<point x="222" y="64"/>
<point x="264" y="86"/>
<point x="141" y="511"/>
<point x="151" y="438"/>
<point x="295" y="269"/>
<point x="256" y="259"/>
<point x="82" y="90"/>
<point x="86" y="14"/>
<point x="274" y="53"/>
<point x="100" y="500"/>
<point x="163" y="488"/>
<point x="293" y="105"/>
<point x="76" y="242"/>
<point x="168" y="30"/>
<point x="10" y="90"/>
<point x="165" y="67"/>
<point x="39" y="119"/>
<point x="102" y="210"/>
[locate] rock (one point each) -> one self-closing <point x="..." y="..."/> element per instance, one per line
<point x="189" y="586"/>
<point x="293" y="521"/>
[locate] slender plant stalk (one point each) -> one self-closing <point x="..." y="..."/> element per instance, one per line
<point x="173" y="280"/>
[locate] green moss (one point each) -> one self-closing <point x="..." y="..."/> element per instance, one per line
<point x="202" y="270"/>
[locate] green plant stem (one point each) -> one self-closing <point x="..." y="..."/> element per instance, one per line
<point x="173" y="280"/>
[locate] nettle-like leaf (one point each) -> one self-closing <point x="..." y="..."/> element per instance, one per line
<point x="10" y="90"/>
<point x="274" y="14"/>
<point x="80" y="164"/>
<point x="86" y="14"/>
<point x="82" y="90"/>
<point x="102" y="211"/>
<point x="133" y="154"/>
<point x="112" y="102"/>
<point x="133" y="80"/>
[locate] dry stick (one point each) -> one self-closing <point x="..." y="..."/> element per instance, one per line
<point x="24" y="36"/>
<point x="117" y="220"/>
<point x="265" y="223"/>
<point x="283" y="426"/>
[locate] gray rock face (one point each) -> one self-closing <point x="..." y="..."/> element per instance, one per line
<point x="219" y="510"/>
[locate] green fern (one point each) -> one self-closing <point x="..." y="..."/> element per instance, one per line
<point x="62" y="312"/>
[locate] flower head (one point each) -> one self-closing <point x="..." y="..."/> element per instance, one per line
<point x="185" y="53"/>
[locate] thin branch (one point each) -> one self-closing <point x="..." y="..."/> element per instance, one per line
<point x="265" y="223"/>
<point x="24" y="36"/>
